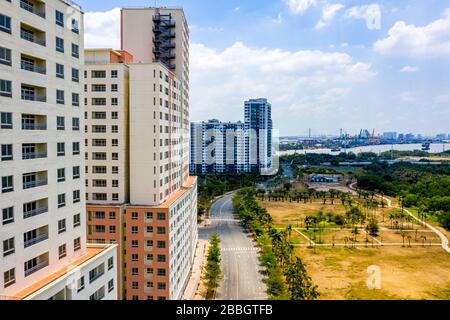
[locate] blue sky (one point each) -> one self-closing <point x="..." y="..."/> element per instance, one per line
<point x="323" y="64"/>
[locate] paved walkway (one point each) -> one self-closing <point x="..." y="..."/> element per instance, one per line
<point x="193" y="285"/>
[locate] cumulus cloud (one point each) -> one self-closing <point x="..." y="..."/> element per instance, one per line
<point x="300" y="6"/>
<point x="102" y="29"/>
<point x="329" y="11"/>
<point x="432" y="40"/>
<point x="409" y="69"/>
<point x="291" y="80"/>
<point x="370" y="13"/>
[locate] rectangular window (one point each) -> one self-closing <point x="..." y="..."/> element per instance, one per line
<point x="62" y="226"/>
<point x="60" y="71"/>
<point x="59" y="44"/>
<point x="61" y="200"/>
<point x="60" y="96"/>
<point x="98" y="88"/>
<point x="114" y="73"/>
<point x="60" y="123"/>
<point x="76" y="220"/>
<point x="98" y="74"/>
<point x="61" y="175"/>
<point x="62" y="251"/>
<point x="114" y="101"/>
<point x="75" y="50"/>
<point x="59" y="18"/>
<point x="6" y="120"/>
<point x="7" y="215"/>
<point x="75" y="75"/>
<point x="76" y="172"/>
<point x="110" y="263"/>
<point x="9" y="277"/>
<point x="5" y="56"/>
<point x="75" y="99"/>
<point x="80" y="284"/>
<point x="75" y="148"/>
<point x="114" y="87"/>
<point x="7" y="184"/>
<point x="8" y="247"/>
<point x="61" y="149"/>
<point x="6" y="152"/>
<point x="76" y="196"/>
<point x="114" y="115"/>
<point x="99" y="101"/>
<point x="75" y="124"/>
<point x="110" y="285"/>
<point x="76" y="244"/>
<point x="5" y="88"/>
<point x="5" y="23"/>
<point x="161" y="216"/>
<point x="75" y="27"/>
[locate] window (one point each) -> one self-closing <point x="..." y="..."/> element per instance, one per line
<point x="114" y="115"/>
<point x="7" y="215"/>
<point x="6" y="120"/>
<point x="61" y="175"/>
<point x="110" y="263"/>
<point x="97" y="272"/>
<point x="75" y="27"/>
<point x="59" y="18"/>
<point x="98" y="74"/>
<point x="161" y="258"/>
<point x="134" y="243"/>
<point x="98" y="295"/>
<point x="76" y="244"/>
<point x="114" y="101"/>
<point x="114" y="73"/>
<point x="75" y="148"/>
<point x="112" y="215"/>
<point x="115" y="183"/>
<point x="76" y="220"/>
<point x="60" y="71"/>
<point x="149" y="215"/>
<point x="98" y="88"/>
<point x="6" y="152"/>
<point x="60" y="123"/>
<point x="75" y="99"/>
<point x="100" y="196"/>
<point x="135" y="271"/>
<point x="62" y="251"/>
<point x="115" y="142"/>
<point x="62" y="226"/>
<point x="134" y="229"/>
<point x="5" y="88"/>
<point x="99" y="101"/>
<point x="115" y="197"/>
<point x="135" y="285"/>
<point x="59" y="44"/>
<point x="5" y="56"/>
<point x="135" y="257"/>
<point x="5" y="23"/>
<point x="7" y="184"/>
<point x="161" y="230"/>
<point x="115" y="156"/>
<point x="9" y="277"/>
<point x="114" y="87"/>
<point x="161" y="286"/>
<point x="75" y="75"/>
<point x="161" y="216"/>
<point x="161" y="244"/>
<point x="110" y="285"/>
<point x="80" y="284"/>
<point x="134" y="216"/>
<point x="75" y="124"/>
<point x="161" y="272"/>
<point x="61" y="149"/>
<point x="60" y="96"/>
<point x="61" y="200"/>
<point x="8" y="247"/>
<point x="115" y="170"/>
<point x="115" y="129"/>
<point x="76" y="196"/>
<point x="75" y="50"/>
<point x="76" y="172"/>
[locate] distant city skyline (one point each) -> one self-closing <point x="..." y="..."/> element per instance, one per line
<point x="323" y="64"/>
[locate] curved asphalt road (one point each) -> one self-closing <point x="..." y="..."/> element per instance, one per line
<point x="242" y="273"/>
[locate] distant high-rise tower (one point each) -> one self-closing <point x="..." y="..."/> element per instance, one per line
<point x="258" y="134"/>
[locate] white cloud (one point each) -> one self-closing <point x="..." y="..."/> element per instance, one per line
<point x="292" y="81"/>
<point x="300" y="6"/>
<point x="344" y="45"/>
<point x="442" y="99"/>
<point x="329" y="11"/>
<point x="278" y="19"/>
<point x="102" y="29"/>
<point x="409" y="69"/>
<point x="408" y="96"/>
<point x="432" y="40"/>
<point x="370" y="13"/>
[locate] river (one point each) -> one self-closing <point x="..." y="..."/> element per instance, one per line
<point x="434" y="148"/>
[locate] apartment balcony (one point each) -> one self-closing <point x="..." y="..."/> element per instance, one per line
<point x="40" y="265"/>
<point x="148" y="262"/>
<point x="38" y="238"/>
<point x="34" y="212"/>
<point x="148" y="248"/>
<point x="34" y="122"/>
<point x="164" y="19"/>
<point x="33" y="93"/>
<point x="148" y="234"/>
<point x="148" y="289"/>
<point x="34" y="179"/>
<point x="34" y="151"/>
<point x="33" y="64"/>
<point x="32" y="34"/>
<point x="36" y="7"/>
<point x="148" y="276"/>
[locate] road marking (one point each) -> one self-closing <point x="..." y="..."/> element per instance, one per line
<point x="226" y="220"/>
<point x="240" y="249"/>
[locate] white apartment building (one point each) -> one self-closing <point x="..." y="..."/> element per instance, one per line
<point x="44" y="254"/>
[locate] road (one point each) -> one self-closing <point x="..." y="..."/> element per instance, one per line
<point x="242" y="273"/>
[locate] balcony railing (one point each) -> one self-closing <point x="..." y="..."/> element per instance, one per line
<point x="33" y="68"/>
<point x="30" y="37"/>
<point x="35" y="212"/>
<point x="39" y="238"/>
<point x="37" y="267"/>
<point x="35" y="183"/>
<point x="33" y="97"/>
<point x="26" y="6"/>
<point x="34" y="155"/>
<point x="34" y="126"/>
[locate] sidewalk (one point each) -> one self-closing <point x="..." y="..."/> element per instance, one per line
<point x="193" y="285"/>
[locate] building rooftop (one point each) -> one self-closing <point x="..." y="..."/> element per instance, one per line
<point x="92" y="250"/>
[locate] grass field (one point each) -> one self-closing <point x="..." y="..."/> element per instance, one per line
<point x="341" y="273"/>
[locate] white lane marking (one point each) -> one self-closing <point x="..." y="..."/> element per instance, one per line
<point x="240" y="249"/>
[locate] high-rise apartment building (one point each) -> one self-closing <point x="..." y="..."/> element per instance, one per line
<point x="142" y="196"/>
<point x="44" y="253"/>
<point x="234" y="147"/>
